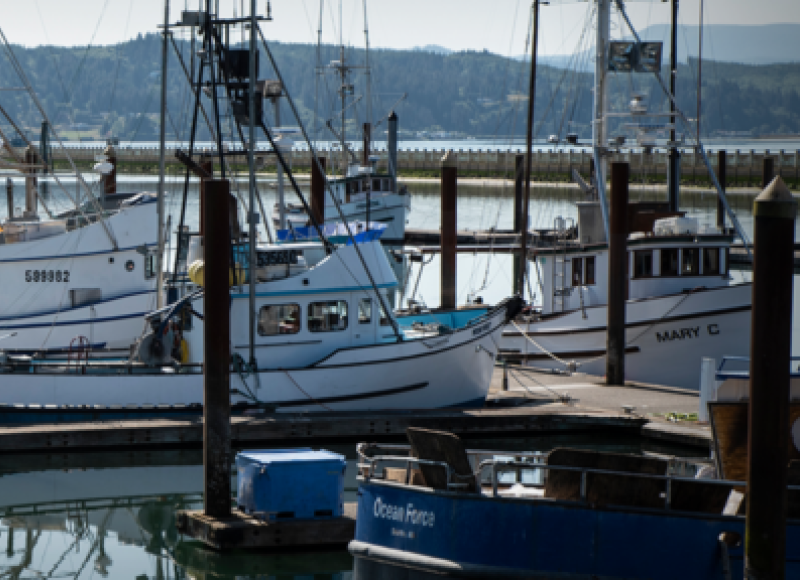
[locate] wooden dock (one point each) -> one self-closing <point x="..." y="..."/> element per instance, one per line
<point x="242" y="531"/>
<point x="532" y="405"/>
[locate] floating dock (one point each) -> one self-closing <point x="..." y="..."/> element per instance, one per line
<point x="242" y="531"/>
<point x="534" y="403"/>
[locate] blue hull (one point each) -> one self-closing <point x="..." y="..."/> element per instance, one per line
<point x="414" y="533"/>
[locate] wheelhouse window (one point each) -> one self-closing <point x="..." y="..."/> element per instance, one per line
<point x="711" y="261"/>
<point x="330" y="316"/>
<point x="279" y="319"/>
<point x="690" y="264"/>
<point x="643" y="264"/>
<point x="588" y="272"/>
<point x="365" y="311"/>
<point x="669" y="262"/>
<point x="376" y="185"/>
<point x="577" y="272"/>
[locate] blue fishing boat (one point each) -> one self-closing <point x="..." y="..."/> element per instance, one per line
<point x="456" y="513"/>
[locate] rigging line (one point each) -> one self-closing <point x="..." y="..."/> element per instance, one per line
<point x="29" y="88"/>
<point x="315" y="159"/>
<point x="116" y="52"/>
<point x="56" y="59"/>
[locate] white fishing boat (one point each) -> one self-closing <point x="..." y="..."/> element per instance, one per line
<point x="72" y="289"/>
<point x="681" y="306"/>
<point x="322" y="344"/>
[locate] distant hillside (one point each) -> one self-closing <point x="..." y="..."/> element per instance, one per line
<point x="115" y="90"/>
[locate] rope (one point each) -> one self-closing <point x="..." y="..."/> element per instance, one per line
<point x="323" y="405"/>
<point x="539" y="346"/>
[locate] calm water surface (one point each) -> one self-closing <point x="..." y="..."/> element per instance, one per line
<point x="112" y="515"/>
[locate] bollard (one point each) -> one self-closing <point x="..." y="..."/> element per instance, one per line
<point x="770" y="351"/>
<point x="767" y="172"/>
<point x="318" y="191"/>
<point x="216" y="351"/>
<point x="519" y="189"/>
<point x="449" y="185"/>
<point x="617" y="274"/>
<point x="722" y="176"/>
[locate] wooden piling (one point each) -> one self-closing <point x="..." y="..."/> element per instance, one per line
<point x="449" y="188"/>
<point x="519" y="225"/>
<point x="318" y="191"/>
<point x="617" y="274"/>
<point x="770" y="351"/>
<point x="767" y="171"/>
<point x="10" y="197"/>
<point x="216" y="352"/>
<point x="722" y="171"/>
<point x="110" y="178"/>
<point x="367" y="140"/>
<point x="206" y="163"/>
<point x="31" y="197"/>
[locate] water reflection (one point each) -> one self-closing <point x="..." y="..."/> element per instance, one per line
<point x="113" y="514"/>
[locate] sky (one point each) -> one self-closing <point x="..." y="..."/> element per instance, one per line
<point x="499" y="26"/>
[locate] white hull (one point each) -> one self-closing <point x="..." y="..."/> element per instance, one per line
<point x="441" y="371"/>
<point x="110" y="326"/>
<point x="666" y="337"/>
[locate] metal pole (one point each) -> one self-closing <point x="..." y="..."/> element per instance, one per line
<point x="162" y="164"/>
<point x="449" y="236"/>
<point x="367" y="135"/>
<point x="673" y="174"/>
<point x="10" y="198"/>
<point x="519" y="176"/>
<point x="617" y="274"/>
<point x="774" y="214"/>
<point x="216" y="350"/>
<point x="281" y="191"/>
<point x="722" y="176"/>
<point x="523" y="243"/>
<point x="252" y="217"/>
<point x="700" y="73"/>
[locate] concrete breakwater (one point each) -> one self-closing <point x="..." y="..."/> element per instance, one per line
<point x="743" y="167"/>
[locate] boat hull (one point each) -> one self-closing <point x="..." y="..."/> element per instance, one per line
<point x="666" y="337"/>
<point x="440" y="371"/>
<point x="474" y="536"/>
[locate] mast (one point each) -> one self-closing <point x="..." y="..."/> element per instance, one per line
<point x="673" y="176"/>
<point x="700" y="72"/>
<point x="343" y="88"/>
<point x="599" y="128"/>
<point x="368" y="139"/>
<point x="523" y="249"/>
<point x="251" y="213"/>
<point x="162" y="164"/>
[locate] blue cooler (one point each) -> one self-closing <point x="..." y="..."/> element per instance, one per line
<point x="281" y="484"/>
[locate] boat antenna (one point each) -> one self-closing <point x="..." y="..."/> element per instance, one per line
<point x="315" y="160"/>
<point x="712" y="174"/>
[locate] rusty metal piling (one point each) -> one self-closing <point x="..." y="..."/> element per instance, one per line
<point x="617" y="274"/>
<point x="449" y="188"/>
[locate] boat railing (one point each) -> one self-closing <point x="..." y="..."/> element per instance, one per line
<point x="738" y="372"/>
<point x="369" y="466"/>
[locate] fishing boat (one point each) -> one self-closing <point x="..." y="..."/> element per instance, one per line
<point x="434" y="509"/>
<point x="323" y="344"/>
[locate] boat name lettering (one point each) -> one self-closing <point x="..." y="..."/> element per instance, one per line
<point x="47" y="275"/>
<point x="713" y="329"/>
<point x="407" y="515"/>
<point x="678" y="334"/>
<point x="482" y="328"/>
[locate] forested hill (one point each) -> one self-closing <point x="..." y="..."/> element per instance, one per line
<point x="115" y="90"/>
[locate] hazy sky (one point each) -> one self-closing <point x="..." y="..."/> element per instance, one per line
<point x="497" y="25"/>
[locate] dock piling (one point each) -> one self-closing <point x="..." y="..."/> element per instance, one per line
<point x="774" y="214"/>
<point x="767" y="171"/>
<point x="318" y="191"/>
<point x="449" y="185"/>
<point x="617" y="274"/>
<point x="10" y="197"/>
<point x="31" y="198"/>
<point x="519" y="191"/>
<point x="110" y="179"/>
<point x="722" y="177"/>
<point x="216" y="368"/>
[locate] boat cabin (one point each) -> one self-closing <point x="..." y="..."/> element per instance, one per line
<point x="665" y="256"/>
